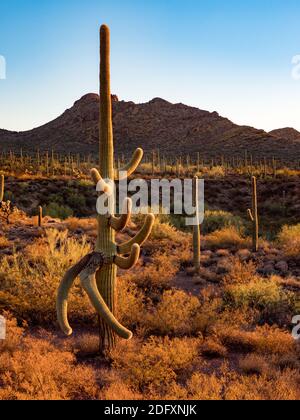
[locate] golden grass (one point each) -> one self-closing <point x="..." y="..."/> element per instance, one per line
<point x="151" y="367"/>
<point x="176" y="315"/>
<point x="289" y="240"/>
<point x="226" y="238"/>
<point x="29" y="280"/>
<point x="34" y="369"/>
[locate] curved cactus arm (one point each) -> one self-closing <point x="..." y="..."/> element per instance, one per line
<point x="119" y="223"/>
<point x="89" y="284"/>
<point x="63" y="294"/>
<point x="128" y="170"/>
<point x="131" y="261"/>
<point x="250" y="215"/>
<point x="101" y="185"/>
<point x="140" y="238"/>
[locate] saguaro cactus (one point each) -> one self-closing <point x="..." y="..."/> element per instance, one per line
<point x="196" y="229"/>
<point x="97" y="271"/>
<point x="40" y="216"/>
<point x="253" y="215"/>
<point x="2" y="182"/>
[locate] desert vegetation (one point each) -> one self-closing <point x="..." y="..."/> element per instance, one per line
<point x="223" y="334"/>
<point x="210" y="309"/>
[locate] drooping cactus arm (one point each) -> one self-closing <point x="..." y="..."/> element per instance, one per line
<point x="131" y="261"/>
<point x="140" y="238"/>
<point x="63" y="294"/>
<point x="250" y="215"/>
<point x="102" y="186"/>
<point x="89" y="284"/>
<point x="119" y="223"/>
<point x="128" y="170"/>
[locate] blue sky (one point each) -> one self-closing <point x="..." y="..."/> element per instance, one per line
<point x="234" y="57"/>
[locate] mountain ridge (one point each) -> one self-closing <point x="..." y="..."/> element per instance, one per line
<point x="175" y="129"/>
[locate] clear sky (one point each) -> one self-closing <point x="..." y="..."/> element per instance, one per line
<point x="232" y="56"/>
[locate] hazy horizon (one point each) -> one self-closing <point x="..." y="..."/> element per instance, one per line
<point x="232" y="58"/>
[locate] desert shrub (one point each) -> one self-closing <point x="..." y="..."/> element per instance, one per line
<point x="174" y="315"/>
<point x="119" y="391"/>
<point x="87" y="225"/>
<point x="76" y="201"/>
<point x="216" y="172"/>
<point x="34" y="369"/>
<point x="29" y="280"/>
<point x="204" y="387"/>
<point x="153" y="366"/>
<point x="266" y="296"/>
<point x="130" y="308"/>
<point x="226" y="238"/>
<point x="163" y="231"/>
<point x="57" y="211"/>
<point x="213" y="349"/>
<point x="289" y="240"/>
<point x="159" y="274"/>
<point x="230" y="385"/>
<point x="279" y="387"/>
<point x="4" y="242"/>
<point x="240" y="272"/>
<point x="262" y="340"/>
<point x="254" y="364"/>
<point x="218" y="220"/>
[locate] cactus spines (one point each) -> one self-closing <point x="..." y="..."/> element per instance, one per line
<point x="196" y="229"/>
<point x="253" y="215"/>
<point x="2" y="184"/>
<point x="97" y="271"/>
<point x="40" y="216"/>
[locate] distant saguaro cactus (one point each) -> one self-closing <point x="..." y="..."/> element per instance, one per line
<point x="40" y="216"/>
<point x="253" y="215"/>
<point x="2" y="185"/>
<point x="196" y="229"/>
<point x="98" y="270"/>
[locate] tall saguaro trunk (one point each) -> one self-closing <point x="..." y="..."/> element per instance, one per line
<point x="106" y="278"/>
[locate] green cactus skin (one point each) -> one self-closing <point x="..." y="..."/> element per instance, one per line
<point x="253" y="215"/>
<point x="99" y="279"/>
<point x="196" y="230"/>
<point x="2" y="184"/>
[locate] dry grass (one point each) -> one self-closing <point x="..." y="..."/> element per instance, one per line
<point x="29" y="280"/>
<point x="89" y="226"/>
<point x="4" y="242"/>
<point x="206" y="346"/>
<point x="34" y="369"/>
<point x="254" y="364"/>
<point x="153" y="366"/>
<point x="226" y="238"/>
<point x="240" y="272"/>
<point x="289" y="240"/>
<point x="263" y="340"/>
<point x="176" y="315"/>
<point x="157" y="275"/>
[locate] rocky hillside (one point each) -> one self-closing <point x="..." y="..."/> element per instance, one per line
<point x="173" y="128"/>
<point x="286" y="133"/>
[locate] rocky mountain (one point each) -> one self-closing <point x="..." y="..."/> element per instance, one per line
<point x="286" y="133"/>
<point x="173" y="128"/>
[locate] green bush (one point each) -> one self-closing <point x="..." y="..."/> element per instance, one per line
<point x="289" y="240"/>
<point x="76" y="201"/>
<point x="57" y="211"/>
<point x="216" y="220"/>
<point x="266" y="296"/>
